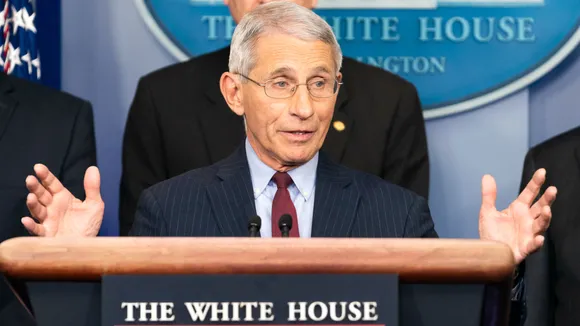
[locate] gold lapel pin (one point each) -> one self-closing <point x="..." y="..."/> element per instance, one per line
<point x="338" y="125"/>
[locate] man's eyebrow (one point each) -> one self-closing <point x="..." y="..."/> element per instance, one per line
<point x="279" y="71"/>
<point x="322" y="69"/>
<point x="285" y="70"/>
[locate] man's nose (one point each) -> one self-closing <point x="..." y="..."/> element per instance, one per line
<point x="302" y="103"/>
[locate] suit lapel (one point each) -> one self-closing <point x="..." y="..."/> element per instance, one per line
<point x="231" y="197"/>
<point x="336" y="200"/>
<point x="575" y="185"/>
<point x="578" y="155"/>
<point x="340" y="127"/>
<point x="7" y="103"/>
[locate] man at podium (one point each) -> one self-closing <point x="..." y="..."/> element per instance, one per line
<point x="283" y="78"/>
<point x="383" y="137"/>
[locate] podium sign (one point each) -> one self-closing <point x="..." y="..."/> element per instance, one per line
<point x="250" y="299"/>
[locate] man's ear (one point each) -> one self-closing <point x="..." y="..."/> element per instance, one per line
<point x="231" y="90"/>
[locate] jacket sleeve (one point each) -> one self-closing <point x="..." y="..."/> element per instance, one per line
<point x="419" y="223"/>
<point x="143" y="164"/>
<point x="81" y="153"/>
<point x="149" y="220"/>
<point x="406" y="154"/>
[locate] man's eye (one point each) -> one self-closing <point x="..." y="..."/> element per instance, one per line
<point x="319" y="84"/>
<point x="280" y="84"/>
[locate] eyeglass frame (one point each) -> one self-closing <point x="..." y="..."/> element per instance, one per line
<point x="263" y="85"/>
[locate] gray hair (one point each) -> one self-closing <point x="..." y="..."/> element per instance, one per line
<point x="282" y="17"/>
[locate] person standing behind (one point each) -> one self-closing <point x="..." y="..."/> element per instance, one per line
<point x="37" y="124"/>
<point x="179" y="121"/>
<point x="552" y="275"/>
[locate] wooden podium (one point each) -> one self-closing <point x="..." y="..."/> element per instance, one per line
<point x="442" y="282"/>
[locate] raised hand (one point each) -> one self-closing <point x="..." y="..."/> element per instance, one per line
<point x="522" y="225"/>
<point x="55" y="209"/>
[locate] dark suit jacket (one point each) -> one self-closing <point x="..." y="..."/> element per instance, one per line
<point x="552" y="275"/>
<point x="37" y="125"/>
<point x="217" y="201"/>
<point x="179" y="121"/>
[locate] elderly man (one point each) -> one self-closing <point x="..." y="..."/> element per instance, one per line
<point x="179" y="121"/>
<point x="283" y="79"/>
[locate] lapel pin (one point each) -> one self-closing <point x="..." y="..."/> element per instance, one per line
<point x="339" y="125"/>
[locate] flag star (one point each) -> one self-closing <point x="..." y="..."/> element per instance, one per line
<point x="28" y="20"/>
<point x="36" y="63"/>
<point x="17" y="20"/>
<point x="1" y="61"/>
<point x="13" y="58"/>
<point x="28" y="59"/>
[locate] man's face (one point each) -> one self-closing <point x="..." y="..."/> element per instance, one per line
<point x="238" y="8"/>
<point x="286" y="132"/>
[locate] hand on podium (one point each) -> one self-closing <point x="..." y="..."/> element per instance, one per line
<point x="521" y="226"/>
<point x="57" y="211"/>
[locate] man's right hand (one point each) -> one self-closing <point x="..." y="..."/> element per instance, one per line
<point x="57" y="211"/>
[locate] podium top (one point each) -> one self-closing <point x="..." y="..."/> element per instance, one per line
<point x="414" y="260"/>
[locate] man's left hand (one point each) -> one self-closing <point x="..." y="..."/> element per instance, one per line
<point x="522" y="225"/>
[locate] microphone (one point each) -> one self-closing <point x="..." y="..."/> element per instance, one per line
<point x="254" y="226"/>
<point x="285" y="225"/>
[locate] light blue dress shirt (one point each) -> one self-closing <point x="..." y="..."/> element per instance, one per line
<point x="301" y="192"/>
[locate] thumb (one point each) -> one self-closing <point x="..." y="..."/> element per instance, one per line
<point x="93" y="184"/>
<point x="488" y="193"/>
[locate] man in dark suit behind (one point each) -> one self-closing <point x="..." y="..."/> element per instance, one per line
<point x="37" y="124"/>
<point x="552" y="275"/>
<point x="179" y="121"/>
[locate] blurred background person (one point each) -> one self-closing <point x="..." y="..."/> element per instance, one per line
<point x="28" y="113"/>
<point x="552" y="275"/>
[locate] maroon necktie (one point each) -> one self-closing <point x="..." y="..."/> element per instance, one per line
<point x="282" y="204"/>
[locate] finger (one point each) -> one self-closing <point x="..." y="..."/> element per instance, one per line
<point x="546" y="200"/>
<point x="535" y="244"/>
<point x="38" y="190"/>
<point x="48" y="180"/>
<point x="488" y="193"/>
<point x="533" y="187"/>
<point x="33" y="227"/>
<point x="36" y="208"/>
<point x="93" y="184"/>
<point x="542" y="223"/>
<point x="539" y="241"/>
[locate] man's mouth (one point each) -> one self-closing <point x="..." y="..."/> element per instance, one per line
<point x="298" y="135"/>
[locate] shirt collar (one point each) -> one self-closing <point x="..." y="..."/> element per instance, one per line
<point x="304" y="176"/>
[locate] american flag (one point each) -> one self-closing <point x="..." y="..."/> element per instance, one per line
<point x="19" y="53"/>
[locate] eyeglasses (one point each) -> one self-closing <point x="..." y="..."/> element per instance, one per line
<point x="279" y="88"/>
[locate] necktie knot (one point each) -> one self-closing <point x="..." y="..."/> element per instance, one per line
<point x="282" y="180"/>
